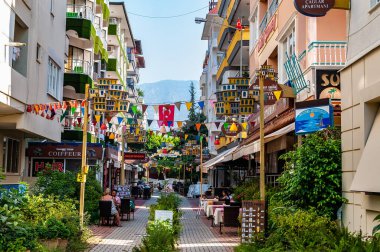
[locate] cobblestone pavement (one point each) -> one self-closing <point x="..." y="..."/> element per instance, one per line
<point x="198" y="235"/>
<point x="129" y="235"/>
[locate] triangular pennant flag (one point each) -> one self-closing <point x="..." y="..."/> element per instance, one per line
<point x="189" y="105"/>
<point x="225" y="125"/>
<point x="97" y="118"/>
<point x="109" y="118"/>
<point x="277" y="94"/>
<point x="217" y="124"/>
<point x="79" y="119"/>
<point x="207" y="125"/>
<point x="131" y="129"/>
<point x="119" y="120"/>
<point x="178" y="105"/>
<point x="179" y="124"/>
<point x="124" y="129"/>
<point x="82" y="111"/>
<point x="144" y="107"/>
<point x="109" y="125"/>
<point x="197" y="137"/>
<point x="160" y="123"/>
<point x="137" y="131"/>
<point x="244" y="125"/>
<point x="198" y="126"/>
<point x="170" y="123"/>
<point x="130" y="121"/>
<point x="134" y="109"/>
<point x="156" y="108"/>
<point x="186" y="136"/>
<point x="201" y="104"/>
<point x="149" y="122"/>
<point x="73" y="110"/>
<point x="201" y="138"/>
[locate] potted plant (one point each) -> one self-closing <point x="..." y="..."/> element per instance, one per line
<point x="48" y="233"/>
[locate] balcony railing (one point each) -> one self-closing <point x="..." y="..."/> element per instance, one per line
<point x="80" y="11"/>
<point x="327" y="53"/>
<point x="268" y="15"/>
<point x="78" y="66"/>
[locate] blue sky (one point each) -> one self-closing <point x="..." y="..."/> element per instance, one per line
<point x="173" y="48"/>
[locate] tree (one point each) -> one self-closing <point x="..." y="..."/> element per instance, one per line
<point x="313" y="175"/>
<point x="140" y="92"/>
<point x="192" y="115"/>
<point x="154" y="141"/>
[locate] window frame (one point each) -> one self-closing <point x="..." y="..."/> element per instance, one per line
<point x="5" y="167"/>
<point x="54" y="77"/>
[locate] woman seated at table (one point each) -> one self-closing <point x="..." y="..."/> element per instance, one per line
<point x="107" y="197"/>
<point x="226" y="197"/>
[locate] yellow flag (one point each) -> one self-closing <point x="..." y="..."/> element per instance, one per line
<point x="244" y="125"/>
<point x="137" y="131"/>
<point x="179" y="124"/>
<point x="97" y="118"/>
<point x="277" y="94"/>
<point x="244" y="134"/>
<point x="188" y="105"/>
<point x="186" y="136"/>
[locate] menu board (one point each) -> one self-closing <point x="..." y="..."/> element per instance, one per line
<point x="253" y="219"/>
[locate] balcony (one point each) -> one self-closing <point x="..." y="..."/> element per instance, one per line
<point x="222" y="68"/>
<point x="80" y="18"/>
<point x="238" y="9"/>
<point x="77" y="74"/>
<point x="222" y="7"/>
<point x="235" y="48"/>
<point x="327" y="53"/>
<point x="223" y="33"/>
<point x="268" y="16"/>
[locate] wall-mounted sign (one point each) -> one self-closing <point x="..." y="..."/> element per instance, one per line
<point x="314" y="8"/>
<point x="66" y="150"/>
<point x="328" y="84"/>
<point x="39" y="165"/>
<point x="271" y="27"/>
<point x="134" y="156"/>
<point x="312" y="116"/>
<point x="253" y="221"/>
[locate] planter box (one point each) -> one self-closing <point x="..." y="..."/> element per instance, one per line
<point x="50" y="244"/>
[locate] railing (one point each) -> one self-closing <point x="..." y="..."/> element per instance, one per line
<point x="80" y="11"/>
<point x="268" y="15"/>
<point x="327" y="53"/>
<point x="78" y="66"/>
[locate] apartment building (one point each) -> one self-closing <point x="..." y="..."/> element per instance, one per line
<point x="32" y="63"/>
<point x="361" y="118"/>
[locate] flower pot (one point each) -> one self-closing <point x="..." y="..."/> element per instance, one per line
<point x="62" y="244"/>
<point x="50" y="244"/>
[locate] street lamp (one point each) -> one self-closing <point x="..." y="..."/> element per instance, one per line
<point x="238" y="27"/>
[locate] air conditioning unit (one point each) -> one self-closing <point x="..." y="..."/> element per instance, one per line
<point x="110" y="48"/>
<point x="244" y="94"/>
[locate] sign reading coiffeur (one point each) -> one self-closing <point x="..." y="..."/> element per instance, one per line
<point x="314" y="8"/>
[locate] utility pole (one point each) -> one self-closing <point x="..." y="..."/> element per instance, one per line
<point x="122" y="172"/>
<point x="201" y="168"/>
<point x="84" y="168"/>
<point x="262" y="143"/>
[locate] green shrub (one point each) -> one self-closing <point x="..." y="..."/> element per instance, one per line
<point x="248" y="190"/>
<point x="160" y="237"/>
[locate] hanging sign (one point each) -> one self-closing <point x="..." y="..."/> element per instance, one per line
<point x="314" y="8"/>
<point x="234" y="132"/>
<point x="134" y="156"/>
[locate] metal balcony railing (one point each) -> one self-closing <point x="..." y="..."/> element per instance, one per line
<point x="79" y="11"/>
<point x="268" y="15"/>
<point x="78" y="66"/>
<point x="327" y="53"/>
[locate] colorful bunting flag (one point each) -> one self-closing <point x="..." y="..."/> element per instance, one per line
<point x="170" y="123"/>
<point x="134" y="109"/>
<point x="156" y="108"/>
<point x="186" y="136"/>
<point x="144" y="107"/>
<point x="217" y="124"/>
<point x="178" y="105"/>
<point x="149" y="122"/>
<point x="201" y="104"/>
<point x="277" y="94"/>
<point x="244" y="125"/>
<point x="198" y="126"/>
<point x="120" y="120"/>
<point x="179" y="124"/>
<point x="189" y="105"/>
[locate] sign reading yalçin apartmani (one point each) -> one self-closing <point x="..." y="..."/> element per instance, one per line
<point x="314" y="8"/>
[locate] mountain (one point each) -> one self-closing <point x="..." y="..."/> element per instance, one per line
<point x="168" y="92"/>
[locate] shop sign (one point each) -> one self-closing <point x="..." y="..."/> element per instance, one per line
<point x="312" y="116"/>
<point x="112" y="154"/>
<point x="39" y="165"/>
<point x="227" y="132"/>
<point x="328" y="84"/>
<point x="134" y="156"/>
<point x="253" y="221"/>
<point x="314" y="8"/>
<point x="267" y="32"/>
<point x="72" y="151"/>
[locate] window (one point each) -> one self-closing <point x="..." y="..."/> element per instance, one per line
<point x="54" y="80"/>
<point x="38" y="53"/>
<point x="254" y="31"/>
<point x="374" y="2"/>
<point x="287" y="49"/>
<point x="11" y="155"/>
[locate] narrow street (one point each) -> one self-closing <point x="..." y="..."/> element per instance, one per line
<point x="197" y="234"/>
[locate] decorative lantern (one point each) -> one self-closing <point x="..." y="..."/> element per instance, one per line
<point x="164" y="151"/>
<point x="217" y="142"/>
<point x="103" y="127"/>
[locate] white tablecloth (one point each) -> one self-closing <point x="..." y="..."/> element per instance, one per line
<point x="204" y="203"/>
<point x="218" y="216"/>
<point x="210" y="209"/>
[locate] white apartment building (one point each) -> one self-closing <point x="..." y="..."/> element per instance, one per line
<point x="32" y="42"/>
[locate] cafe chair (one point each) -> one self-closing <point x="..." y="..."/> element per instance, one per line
<point x="230" y="217"/>
<point x="125" y="209"/>
<point x="105" y="207"/>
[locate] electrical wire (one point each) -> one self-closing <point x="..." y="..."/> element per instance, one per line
<point x="167" y="17"/>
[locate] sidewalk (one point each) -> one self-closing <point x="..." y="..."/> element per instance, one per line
<point x="197" y="235"/>
<point x="126" y="237"/>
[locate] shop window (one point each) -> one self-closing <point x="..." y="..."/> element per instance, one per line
<point x="11" y="155"/>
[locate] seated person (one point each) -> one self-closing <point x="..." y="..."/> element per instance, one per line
<point x="226" y="197"/>
<point x="209" y="191"/>
<point x="116" y="199"/>
<point x="107" y="197"/>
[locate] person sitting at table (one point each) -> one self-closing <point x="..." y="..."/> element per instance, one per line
<point x="226" y="197"/>
<point x="107" y="197"/>
<point x="116" y="199"/>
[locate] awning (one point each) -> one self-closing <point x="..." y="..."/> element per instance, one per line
<point x="255" y="146"/>
<point x="367" y="174"/>
<point x="222" y="157"/>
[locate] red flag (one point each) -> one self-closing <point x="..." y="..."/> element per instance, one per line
<point x="238" y="25"/>
<point x="166" y="113"/>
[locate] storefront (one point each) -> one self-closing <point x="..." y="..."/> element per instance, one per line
<point x="112" y="165"/>
<point x="61" y="157"/>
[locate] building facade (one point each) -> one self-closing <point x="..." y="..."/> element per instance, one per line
<point x="33" y="42"/>
<point x="360" y="118"/>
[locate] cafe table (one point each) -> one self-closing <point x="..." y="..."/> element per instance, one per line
<point x="206" y="202"/>
<point x="210" y="209"/>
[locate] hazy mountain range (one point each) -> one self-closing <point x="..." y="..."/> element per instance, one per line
<point x="168" y="92"/>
